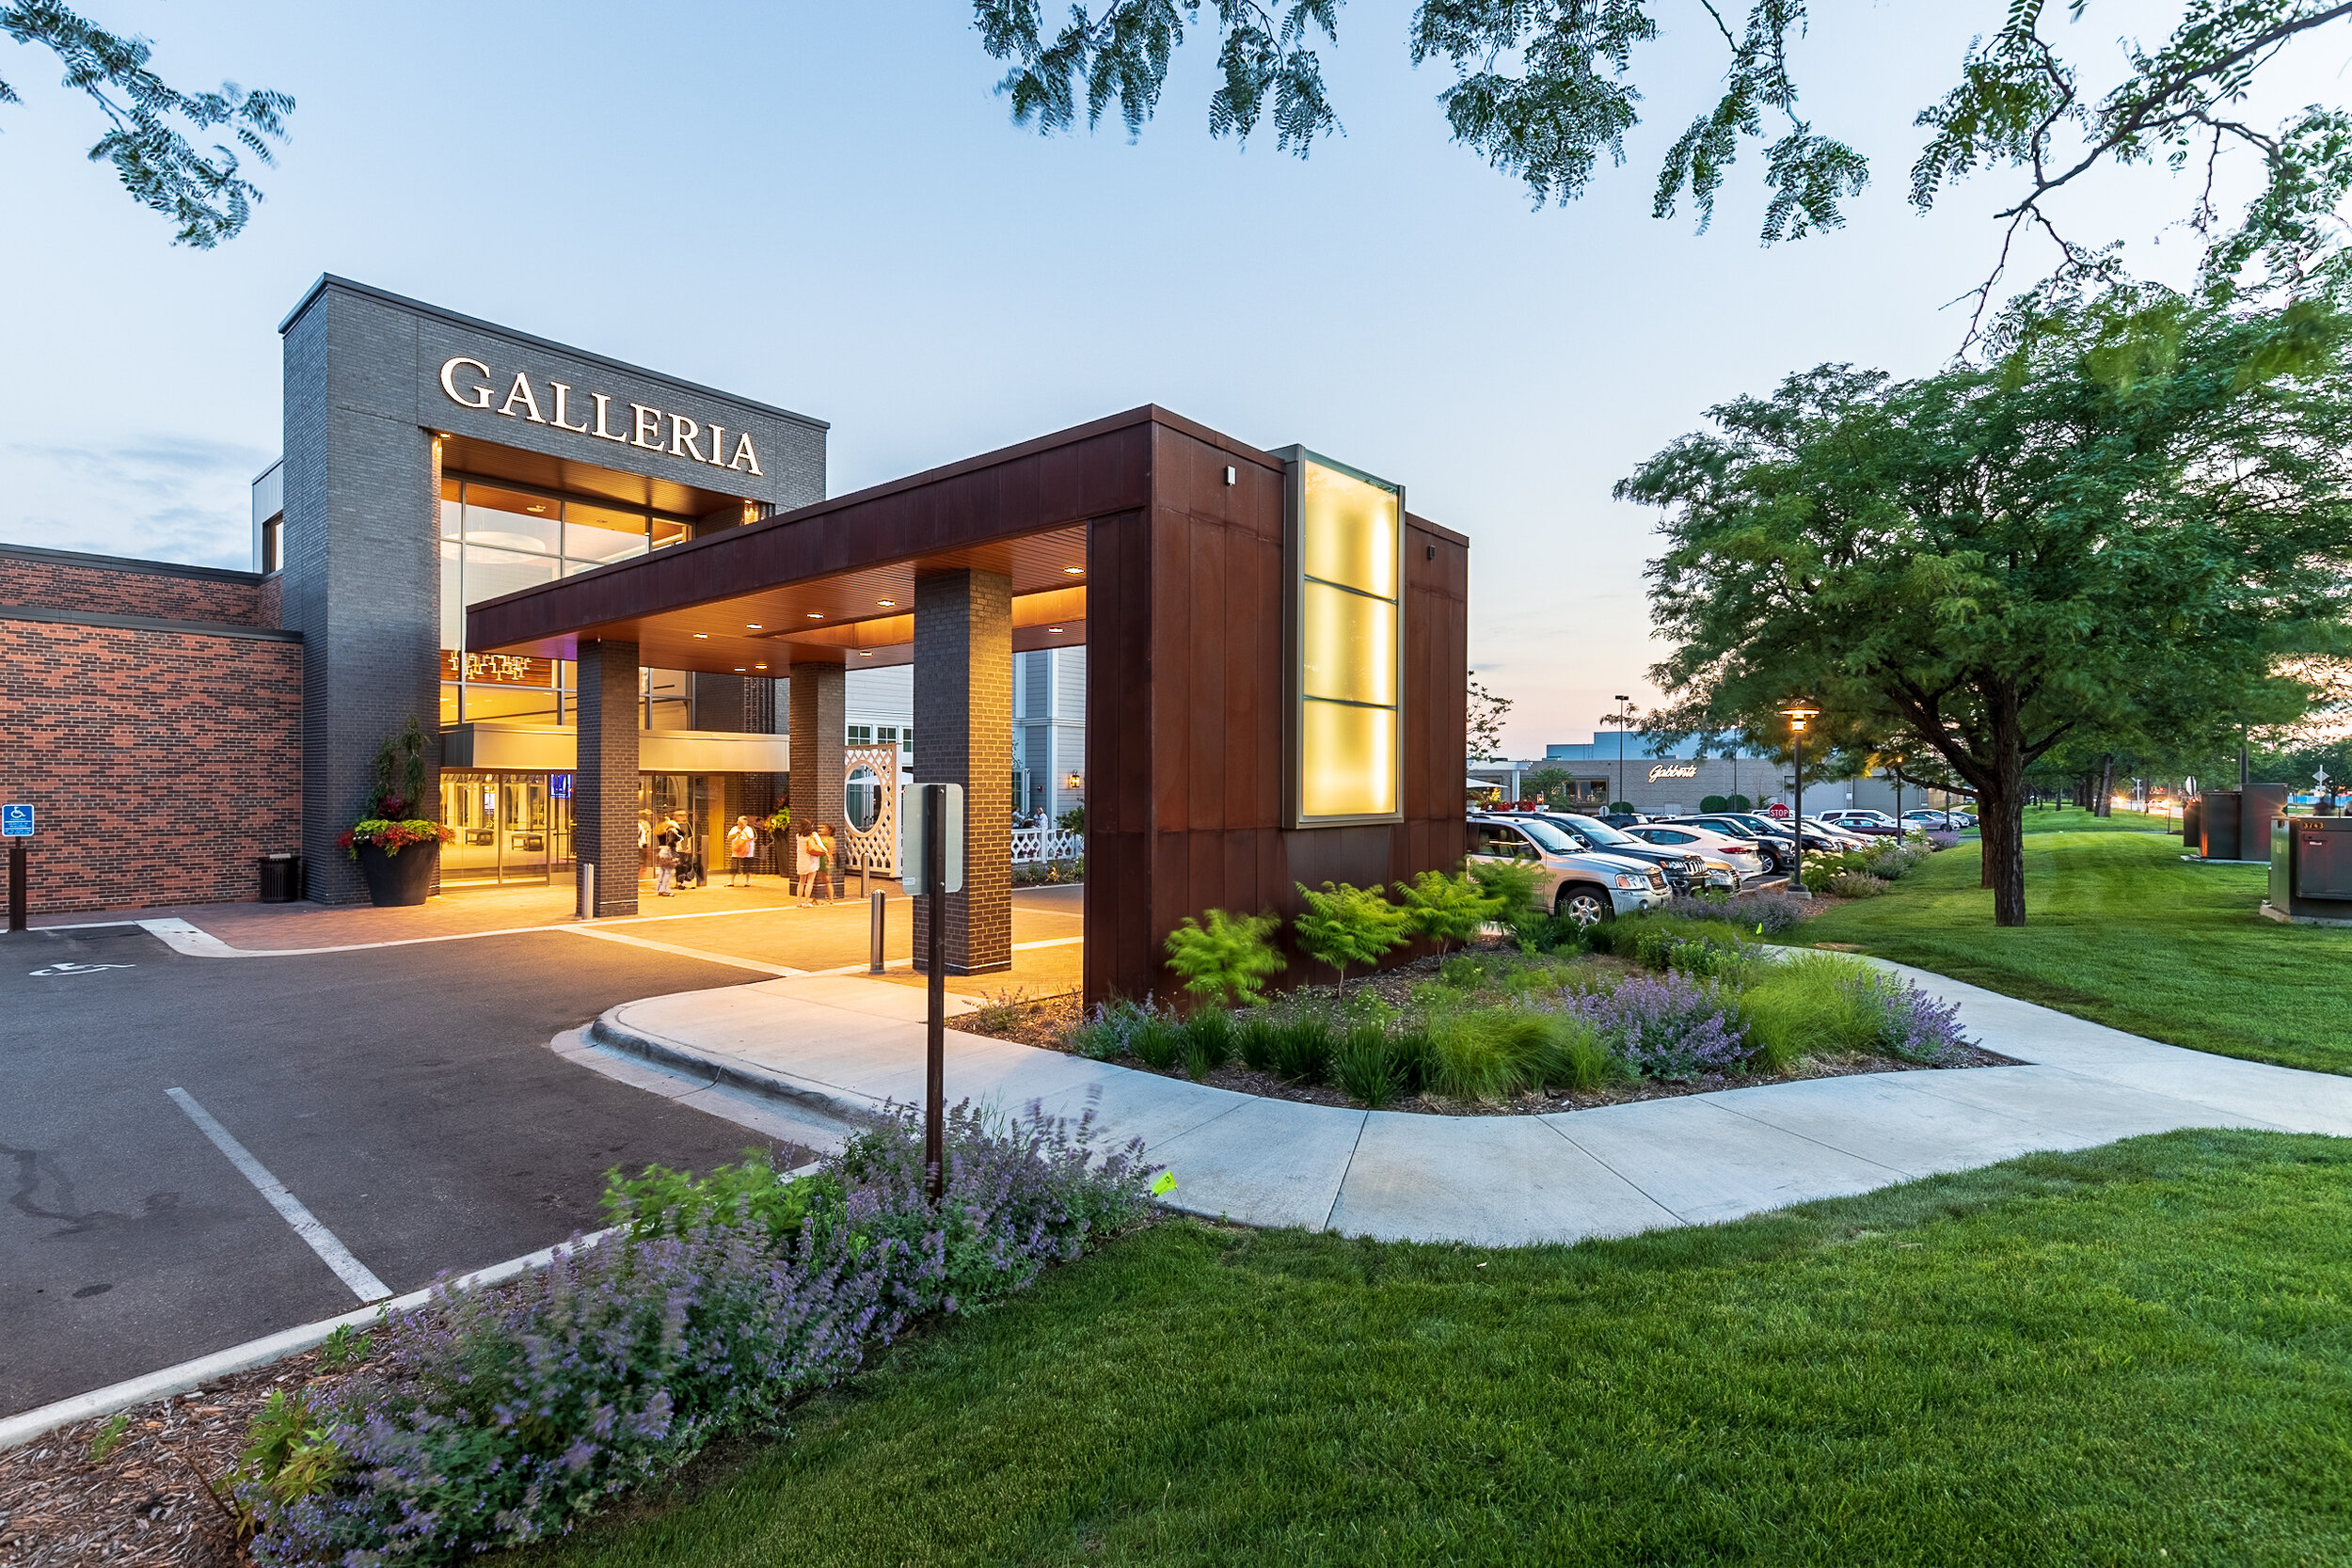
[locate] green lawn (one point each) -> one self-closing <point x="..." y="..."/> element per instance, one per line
<point x="2070" y="819"/>
<point x="2117" y="930"/>
<point x="2140" y="1354"/>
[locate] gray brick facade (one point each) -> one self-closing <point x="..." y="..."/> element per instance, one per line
<point x="366" y="393"/>
<point x="963" y="714"/>
<point x="815" y="694"/>
<point x="604" y="791"/>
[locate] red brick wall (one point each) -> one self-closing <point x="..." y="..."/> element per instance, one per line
<point x="163" y="764"/>
<point x="63" y="585"/>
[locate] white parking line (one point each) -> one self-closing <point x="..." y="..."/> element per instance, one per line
<point x="323" y="1241"/>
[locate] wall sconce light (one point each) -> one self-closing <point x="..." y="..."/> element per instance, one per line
<point x="1071" y="783"/>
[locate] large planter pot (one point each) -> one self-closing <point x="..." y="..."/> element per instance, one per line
<point x="399" y="879"/>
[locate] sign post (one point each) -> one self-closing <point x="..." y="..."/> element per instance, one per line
<point x="933" y="815"/>
<point x="16" y="826"/>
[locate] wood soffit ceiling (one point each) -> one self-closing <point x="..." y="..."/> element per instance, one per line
<point x="844" y="619"/>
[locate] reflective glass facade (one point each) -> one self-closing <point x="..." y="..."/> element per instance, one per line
<point x="497" y="538"/>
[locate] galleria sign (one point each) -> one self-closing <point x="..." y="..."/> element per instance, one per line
<point x="644" y="429"/>
<point x="1674" y="771"/>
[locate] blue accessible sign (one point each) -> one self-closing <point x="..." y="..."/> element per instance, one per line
<point x="16" y="820"/>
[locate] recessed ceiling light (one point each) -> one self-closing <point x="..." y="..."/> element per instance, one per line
<point x="865" y="655"/>
<point x="443" y="435"/>
<point x="1053" y="629"/>
<point x="739" y="669"/>
<point x="750" y="625"/>
<point x="815" y="614"/>
<point x="887" y="604"/>
<point x="1076" y="571"/>
<point x="702" y="636"/>
<point x="759" y="667"/>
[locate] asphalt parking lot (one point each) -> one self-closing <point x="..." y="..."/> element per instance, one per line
<point x="402" y="1096"/>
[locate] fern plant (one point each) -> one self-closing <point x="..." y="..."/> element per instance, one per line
<point x="1345" y="925"/>
<point x="1445" y="909"/>
<point x="1230" y="958"/>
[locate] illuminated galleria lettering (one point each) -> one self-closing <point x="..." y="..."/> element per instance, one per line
<point x="646" y="428"/>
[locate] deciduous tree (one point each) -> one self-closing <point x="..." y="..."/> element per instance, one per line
<point x="2126" y="520"/>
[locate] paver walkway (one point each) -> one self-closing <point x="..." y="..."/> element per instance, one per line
<point x="829" y="1049"/>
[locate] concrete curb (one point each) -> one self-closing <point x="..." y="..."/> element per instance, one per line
<point x="155" y="1385"/>
<point x="852" y="1112"/>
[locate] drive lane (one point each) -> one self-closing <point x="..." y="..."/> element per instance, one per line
<point x="405" y="1095"/>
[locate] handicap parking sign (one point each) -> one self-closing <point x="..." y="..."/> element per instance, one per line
<point x="16" y="820"/>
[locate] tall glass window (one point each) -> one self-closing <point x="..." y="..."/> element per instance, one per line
<point x="500" y="538"/>
<point x="1346" y="558"/>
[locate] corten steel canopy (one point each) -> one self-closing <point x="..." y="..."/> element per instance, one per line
<point x="1152" y="540"/>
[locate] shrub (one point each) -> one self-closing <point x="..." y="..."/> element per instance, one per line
<point x="658" y="1201"/>
<point x="1670" y="1028"/>
<point x="1208" y="1041"/>
<point x="1713" y="803"/>
<point x="1443" y="908"/>
<point x="1369" y="1067"/>
<point x="1512" y="888"/>
<point x="1301" y="1045"/>
<point x="1480" y="1053"/>
<point x="1760" y="913"/>
<point x="1825" y="1002"/>
<point x="1853" y="885"/>
<point x="1618" y="806"/>
<point x="1737" y="802"/>
<point x="1156" y="1043"/>
<point x="1941" y="838"/>
<point x="499" y="1418"/>
<point x="1345" y="925"/>
<point x="1254" y="1037"/>
<point x="1230" y="958"/>
<point x="1574" y="1056"/>
<point x="1109" y="1031"/>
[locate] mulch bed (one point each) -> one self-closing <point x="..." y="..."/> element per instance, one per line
<point x="1046" y="1021"/>
<point x="147" y="1501"/>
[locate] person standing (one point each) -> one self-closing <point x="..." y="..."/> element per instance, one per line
<point x="806" y="850"/>
<point x="743" y="844"/>
<point x="665" y="844"/>
<point x="825" y="852"/>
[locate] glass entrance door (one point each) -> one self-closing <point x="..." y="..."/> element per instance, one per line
<point x="509" y="828"/>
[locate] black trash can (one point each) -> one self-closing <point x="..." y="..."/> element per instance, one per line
<point x="281" y="878"/>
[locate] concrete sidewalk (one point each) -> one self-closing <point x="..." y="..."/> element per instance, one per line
<point x="828" y="1051"/>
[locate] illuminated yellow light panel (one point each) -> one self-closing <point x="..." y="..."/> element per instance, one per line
<point x="1350" y="543"/>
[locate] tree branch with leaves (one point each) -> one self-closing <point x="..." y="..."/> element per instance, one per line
<point x="149" y="122"/>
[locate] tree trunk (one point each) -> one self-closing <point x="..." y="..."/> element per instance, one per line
<point x="2003" y="823"/>
<point x="2104" y="804"/>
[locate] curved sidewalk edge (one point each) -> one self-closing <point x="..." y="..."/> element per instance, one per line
<point x="147" y="1388"/>
<point x="836" y="1051"/>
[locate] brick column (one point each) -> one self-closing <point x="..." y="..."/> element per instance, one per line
<point x="604" y="789"/>
<point x="963" y="736"/>
<point x="815" y="695"/>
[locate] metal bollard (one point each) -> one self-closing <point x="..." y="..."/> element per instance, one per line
<point x="586" y="876"/>
<point x="874" y="901"/>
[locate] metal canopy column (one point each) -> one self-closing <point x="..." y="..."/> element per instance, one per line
<point x="604" y="789"/>
<point x="963" y="736"/>
<point x="818" y="736"/>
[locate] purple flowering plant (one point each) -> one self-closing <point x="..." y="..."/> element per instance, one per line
<point x="1672" y="1027"/>
<point x="500" y="1417"/>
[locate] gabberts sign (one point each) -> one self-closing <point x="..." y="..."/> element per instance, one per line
<point x="1674" y="771"/>
<point x="470" y="385"/>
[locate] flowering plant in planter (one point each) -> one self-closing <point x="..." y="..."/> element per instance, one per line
<point x="389" y="835"/>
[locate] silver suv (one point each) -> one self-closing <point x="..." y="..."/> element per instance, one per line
<point x="1584" y="886"/>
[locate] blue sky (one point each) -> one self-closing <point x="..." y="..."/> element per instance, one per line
<point x="826" y="207"/>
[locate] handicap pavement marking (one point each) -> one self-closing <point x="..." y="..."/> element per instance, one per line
<point x="75" y="969"/>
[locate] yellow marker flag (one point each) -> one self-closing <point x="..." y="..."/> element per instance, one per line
<point x="1165" y="1185"/>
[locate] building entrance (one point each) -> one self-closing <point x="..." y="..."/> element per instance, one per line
<point x="510" y="827"/>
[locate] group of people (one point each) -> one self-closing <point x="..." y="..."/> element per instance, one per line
<point x="675" y="864"/>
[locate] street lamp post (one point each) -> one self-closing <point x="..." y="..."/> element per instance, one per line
<point x="1797" y="713"/>
<point x="1625" y="711"/>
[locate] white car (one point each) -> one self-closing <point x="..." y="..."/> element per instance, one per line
<point x="1738" y="855"/>
<point x="1585" y="887"/>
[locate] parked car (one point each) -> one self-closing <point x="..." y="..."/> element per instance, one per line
<point x="1586" y="887"/>
<point x="1620" y="820"/>
<point x="1935" y="821"/>
<point x="1776" y="846"/>
<point x="1684" y="872"/>
<point x="1739" y="854"/>
<point x="1837" y="833"/>
<point x="1817" y="839"/>
<point x="1873" y="824"/>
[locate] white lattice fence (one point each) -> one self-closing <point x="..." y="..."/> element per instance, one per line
<point x="876" y="849"/>
<point x="1030" y="845"/>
